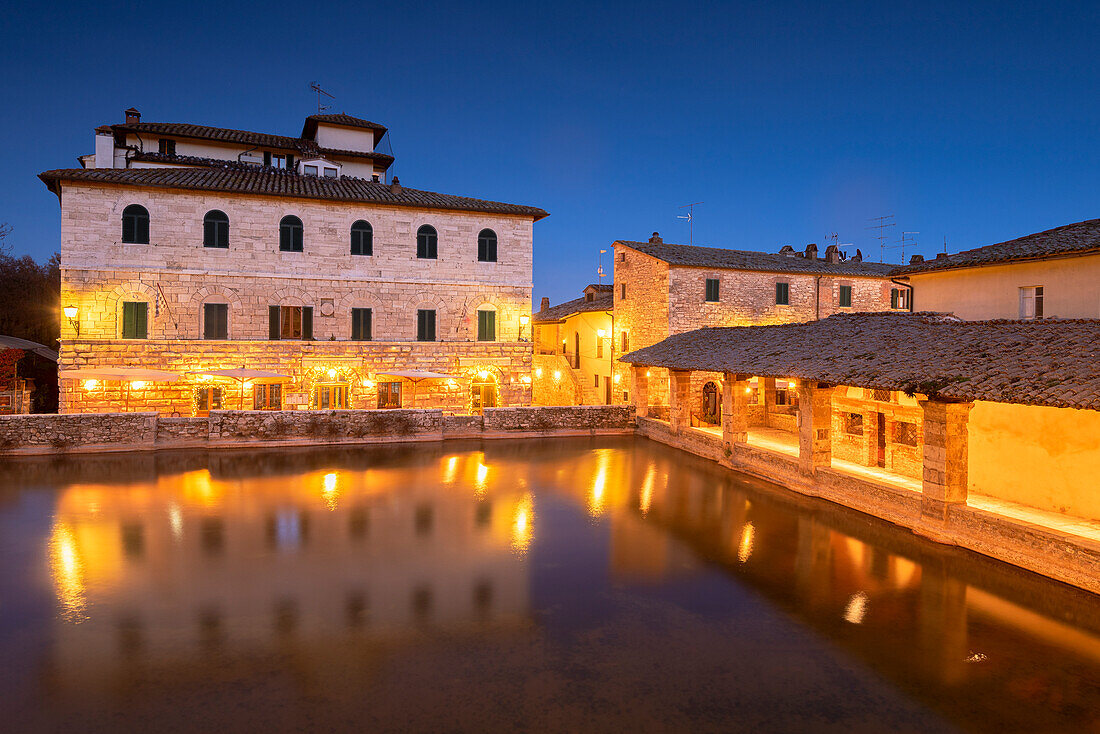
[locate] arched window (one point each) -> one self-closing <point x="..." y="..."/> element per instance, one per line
<point x="135" y="225"/>
<point x="487" y="246"/>
<point x="426" y="242"/>
<point x="711" y="409"/>
<point x="215" y="229"/>
<point x="362" y="238"/>
<point x="290" y="234"/>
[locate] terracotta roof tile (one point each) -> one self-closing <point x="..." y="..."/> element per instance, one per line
<point x="603" y="302"/>
<point x="723" y="259"/>
<point x="1050" y="362"/>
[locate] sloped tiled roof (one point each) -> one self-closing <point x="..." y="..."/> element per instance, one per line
<point x="270" y="182"/>
<point x="346" y="120"/>
<point x="602" y="302"/>
<point x="1055" y="363"/>
<point x="723" y="259"/>
<point x="1071" y="239"/>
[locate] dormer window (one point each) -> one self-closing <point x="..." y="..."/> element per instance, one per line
<point x="281" y="161"/>
<point x="167" y="146"/>
<point x="320" y="167"/>
<point x="330" y="172"/>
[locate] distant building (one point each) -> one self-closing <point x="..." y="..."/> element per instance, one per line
<point x="1051" y="274"/>
<point x="28" y="374"/>
<point x="574" y="351"/>
<point x="188" y="248"/>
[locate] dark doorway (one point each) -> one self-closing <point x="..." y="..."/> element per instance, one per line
<point x="576" y="350"/>
<point x="881" y="436"/>
<point x="606" y="390"/>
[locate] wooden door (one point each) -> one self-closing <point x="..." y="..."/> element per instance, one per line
<point x="881" y="435"/>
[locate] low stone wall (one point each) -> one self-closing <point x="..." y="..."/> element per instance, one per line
<point x="98" y="432"/>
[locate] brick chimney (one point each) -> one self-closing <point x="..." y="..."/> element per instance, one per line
<point x="132" y="116"/>
<point x="832" y="254"/>
<point x="941" y="256"/>
<point x="811" y="251"/>
<point x="916" y="259"/>
<point x="545" y="304"/>
<point x="656" y="239"/>
<point x="787" y="251"/>
<point x="395" y="186"/>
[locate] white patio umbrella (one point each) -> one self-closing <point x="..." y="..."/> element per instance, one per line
<point x="244" y="374"/>
<point x="416" y="377"/>
<point x="125" y="375"/>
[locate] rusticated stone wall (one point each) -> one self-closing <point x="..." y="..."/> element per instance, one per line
<point x="553" y="381"/>
<point x="569" y="418"/>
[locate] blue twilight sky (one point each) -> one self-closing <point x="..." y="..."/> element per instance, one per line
<point x="791" y="120"/>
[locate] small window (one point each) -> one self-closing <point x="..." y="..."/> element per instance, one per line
<point x="894" y="299"/>
<point x="135" y="320"/>
<point x="853" y="424"/>
<point x="135" y="225"/>
<point x="599" y="347"/>
<point x="362" y="238"/>
<point x="712" y="290"/>
<point x="622" y="257"/>
<point x="389" y="394"/>
<point x="290" y="322"/>
<point x="167" y="146"/>
<point x="882" y="396"/>
<point x="905" y="433"/>
<point x="330" y="172"/>
<point x="782" y="294"/>
<point x="596" y="381"/>
<point x="361" y="324"/>
<point x="208" y="398"/>
<point x="487" y="246"/>
<point x="845" y="296"/>
<point x="589" y="297"/>
<point x="215" y="229"/>
<point x="330" y="397"/>
<point x="215" y="321"/>
<point x="622" y="291"/>
<point x="290" y="234"/>
<point x="267" y="397"/>
<point x="309" y="170"/>
<point x="486" y="326"/>
<point x="626" y="343"/>
<point x="275" y="160"/>
<point x="425" y="325"/>
<point x="426" y="242"/>
<point x="1031" y="302"/>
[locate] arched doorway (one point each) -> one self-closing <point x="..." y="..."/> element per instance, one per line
<point x="712" y="407"/>
<point x="483" y="392"/>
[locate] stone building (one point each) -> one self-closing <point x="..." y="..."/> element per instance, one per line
<point x="663" y="289"/>
<point x="225" y="249"/>
<point x="1051" y="274"/>
<point x="574" y="351"/>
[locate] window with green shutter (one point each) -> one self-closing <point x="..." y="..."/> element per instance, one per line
<point x="782" y="294"/>
<point x="712" y="290"/>
<point x="135" y="320"/>
<point x="486" y="326"/>
<point x="361" y="324"/>
<point x="845" y="296"/>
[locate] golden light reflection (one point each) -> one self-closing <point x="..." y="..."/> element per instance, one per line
<point x="198" y="488"/>
<point x="480" y="483"/>
<point x="451" y="471"/>
<point x="523" y="524"/>
<point x="330" y="491"/>
<point x="67" y="570"/>
<point x="647" y="491"/>
<point x="597" y="499"/>
<point x="744" y="548"/>
<point x="175" y="520"/>
<point x="856" y="608"/>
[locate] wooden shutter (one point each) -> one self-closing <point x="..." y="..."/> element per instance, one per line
<point x="128" y="321"/>
<point x="307" y="322"/>
<point x="273" y="322"/>
<point x="141" y="319"/>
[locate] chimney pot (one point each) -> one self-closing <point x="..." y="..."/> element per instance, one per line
<point x="132" y="116"/>
<point x="832" y="254"/>
<point x="787" y="251"/>
<point x="941" y="256"/>
<point x="395" y="187"/>
<point x="545" y="304"/>
<point x="811" y="251"/>
<point x="656" y="239"/>
<point x="374" y="177"/>
<point x="916" y="259"/>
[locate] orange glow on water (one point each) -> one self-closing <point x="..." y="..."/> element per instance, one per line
<point x="68" y="573"/>
<point x="523" y="524"/>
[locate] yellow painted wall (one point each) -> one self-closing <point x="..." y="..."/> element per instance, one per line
<point x="1071" y="289"/>
<point x="1047" y="458"/>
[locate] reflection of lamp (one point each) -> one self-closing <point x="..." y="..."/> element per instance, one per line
<point x="524" y="319"/>
<point x="70" y="314"/>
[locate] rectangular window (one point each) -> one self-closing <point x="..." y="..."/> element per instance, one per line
<point x="622" y="291"/>
<point x="781" y="395"/>
<point x="425" y="325"/>
<point x="599" y="347"/>
<point x="626" y="343"/>
<point x="622" y="257"/>
<point x="845" y="296"/>
<point x="905" y="433"/>
<point x="853" y="424"/>
<point x="215" y="321"/>
<point x="135" y="320"/>
<point x="167" y="146"/>
<point x="330" y="172"/>
<point x="330" y="397"/>
<point x="361" y="324"/>
<point x="486" y="326"/>
<point x="712" y="290"/>
<point x="267" y="397"/>
<point x="782" y="294"/>
<point x="894" y="300"/>
<point x="208" y="399"/>
<point x="290" y="322"/>
<point x="309" y="170"/>
<point x="278" y="160"/>
<point x="596" y="381"/>
<point x="389" y="394"/>
<point x="1031" y="302"/>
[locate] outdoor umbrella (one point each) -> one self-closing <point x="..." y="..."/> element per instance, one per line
<point x="242" y="374"/>
<point x="119" y="374"/>
<point x="416" y="377"/>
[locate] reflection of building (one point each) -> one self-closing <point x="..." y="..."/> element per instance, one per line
<point x="187" y="247"/>
<point x="153" y="572"/>
<point x="574" y="350"/>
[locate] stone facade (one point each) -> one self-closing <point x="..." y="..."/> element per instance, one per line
<point x="175" y="275"/>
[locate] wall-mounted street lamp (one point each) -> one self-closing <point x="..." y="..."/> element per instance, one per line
<point x="524" y="319"/>
<point x="70" y="314"/>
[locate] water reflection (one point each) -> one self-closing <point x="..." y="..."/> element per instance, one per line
<point x="325" y="563"/>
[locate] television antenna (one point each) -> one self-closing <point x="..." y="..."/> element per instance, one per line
<point x="906" y="240"/>
<point x="881" y="224"/>
<point x="690" y="217"/>
<point x="317" y="88"/>
<point x="599" y="269"/>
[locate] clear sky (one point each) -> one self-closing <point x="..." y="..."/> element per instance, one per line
<point x="977" y="122"/>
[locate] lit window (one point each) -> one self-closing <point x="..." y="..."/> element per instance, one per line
<point x="853" y="424"/>
<point x="208" y="398"/>
<point x="267" y="397"/>
<point x="389" y="394"/>
<point x="135" y="225"/>
<point x="330" y="396"/>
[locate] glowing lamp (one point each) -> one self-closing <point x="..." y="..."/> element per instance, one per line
<point x="538" y="372"/>
<point x="524" y="319"/>
<point x="483" y="374"/>
<point x="450" y="383"/>
<point x="248" y="385"/>
<point x="70" y="312"/>
<point x="557" y="374"/>
<point x="601" y="333"/>
<point x="792" y="383"/>
<point x="616" y="378"/>
<point x="748" y="389"/>
<point x="137" y="384"/>
<point x="368" y="383"/>
<point x="331" y="373"/>
<point x="526" y="379"/>
<point x="90" y="384"/>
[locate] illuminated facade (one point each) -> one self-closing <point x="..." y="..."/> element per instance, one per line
<point x="574" y="350"/>
<point x="224" y="250"/>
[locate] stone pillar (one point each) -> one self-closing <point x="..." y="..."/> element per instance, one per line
<point x="735" y="410"/>
<point x="815" y="439"/>
<point x="946" y="458"/>
<point x="767" y="395"/>
<point x="679" y="400"/>
<point x="640" y="390"/>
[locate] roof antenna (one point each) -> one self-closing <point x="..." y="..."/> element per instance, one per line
<point x="317" y="88"/>
<point x="690" y="217"/>
<point x="599" y="270"/>
<point x="881" y="223"/>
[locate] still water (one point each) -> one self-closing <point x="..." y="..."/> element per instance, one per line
<point x="566" y="585"/>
